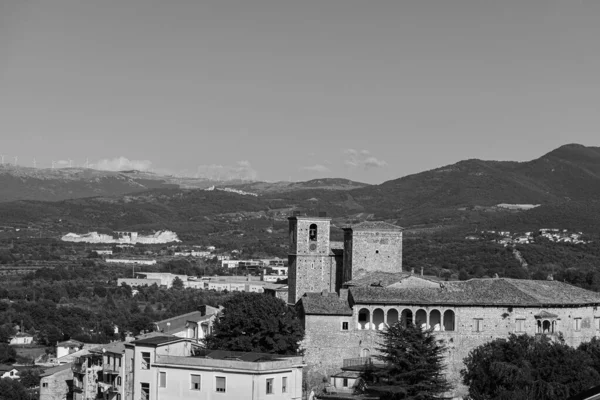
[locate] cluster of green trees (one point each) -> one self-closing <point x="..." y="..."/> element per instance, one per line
<point x="64" y="309"/>
<point x="411" y="367"/>
<point x="259" y="323"/>
<point x="526" y="367"/>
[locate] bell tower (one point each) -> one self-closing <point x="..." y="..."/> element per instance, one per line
<point x="311" y="263"/>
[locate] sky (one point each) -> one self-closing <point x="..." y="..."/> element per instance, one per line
<point x="295" y="90"/>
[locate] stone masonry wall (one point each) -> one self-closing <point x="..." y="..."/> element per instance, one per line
<point x="326" y="346"/>
<point x="376" y="251"/>
<point x="56" y="386"/>
<point x="308" y="273"/>
<point x="312" y="266"/>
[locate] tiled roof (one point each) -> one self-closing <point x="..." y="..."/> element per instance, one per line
<point x="54" y="370"/>
<point x="156" y="340"/>
<point x="545" y="314"/>
<point x="70" y="343"/>
<point x="494" y="291"/>
<point x="333" y="245"/>
<point x="374" y="226"/>
<point x="377" y="277"/>
<point x="115" y="347"/>
<point x="384" y="279"/>
<point x="238" y="355"/>
<point x="324" y="304"/>
<point x="6" y="367"/>
<point x="178" y="322"/>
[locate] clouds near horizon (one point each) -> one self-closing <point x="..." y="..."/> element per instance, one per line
<point x="362" y="159"/>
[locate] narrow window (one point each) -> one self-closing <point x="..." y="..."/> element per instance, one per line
<point x="195" y="382"/>
<point x="145" y="390"/>
<point x="478" y="325"/>
<point x="312" y="233"/>
<point x="270" y="386"/>
<point x="145" y="360"/>
<point x="45" y="384"/>
<point x="520" y="325"/>
<point x="284" y="384"/>
<point x="345" y="383"/>
<point x="344" y="326"/>
<point x="597" y="323"/>
<point x="118" y="380"/>
<point x="221" y="384"/>
<point x="118" y="396"/>
<point x="162" y="379"/>
<point x="577" y="324"/>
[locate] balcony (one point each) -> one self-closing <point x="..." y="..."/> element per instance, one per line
<point x="78" y="368"/>
<point x="110" y="369"/>
<point x="360" y="364"/>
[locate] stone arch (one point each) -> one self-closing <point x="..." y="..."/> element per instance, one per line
<point x="546" y="326"/>
<point x="538" y="326"/>
<point x="435" y="320"/>
<point x="364" y="318"/>
<point x="312" y="232"/>
<point x="421" y="318"/>
<point x="378" y="319"/>
<point x="392" y="317"/>
<point x="449" y="320"/>
<point x="406" y="318"/>
<point x="365" y="353"/>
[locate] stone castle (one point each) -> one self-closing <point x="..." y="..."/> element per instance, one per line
<point x="347" y="292"/>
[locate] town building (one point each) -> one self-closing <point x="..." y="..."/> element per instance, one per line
<point x="56" y="383"/>
<point x="170" y="368"/>
<point x="21" y="338"/>
<point x="9" y="371"/>
<point x="195" y="325"/>
<point x="346" y="294"/>
<point x="130" y="261"/>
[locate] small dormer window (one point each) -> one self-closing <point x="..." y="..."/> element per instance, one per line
<point x="312" y="233"/>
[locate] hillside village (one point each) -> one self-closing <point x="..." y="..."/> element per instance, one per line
<point x="507" y="238"/>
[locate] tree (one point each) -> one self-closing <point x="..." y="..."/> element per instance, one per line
<point x="30" y="377"/>
<point x="7" y="353"/>
<point x="526" y="367"/>
<point x="257" y="322"/>
<point x="413" y="365"/>
<point x="12" y="389"/>
<point x="177" y="283"/>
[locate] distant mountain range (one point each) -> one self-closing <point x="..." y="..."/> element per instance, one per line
<point x="565" y="182"/>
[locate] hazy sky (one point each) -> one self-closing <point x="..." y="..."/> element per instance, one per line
<point x="367" y="90"/>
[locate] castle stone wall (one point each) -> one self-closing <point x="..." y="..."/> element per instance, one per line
<point x="326" y="345"/>
<point x="376" y="251"/>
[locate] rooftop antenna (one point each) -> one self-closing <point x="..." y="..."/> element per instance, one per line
<point x="16" y="160"/>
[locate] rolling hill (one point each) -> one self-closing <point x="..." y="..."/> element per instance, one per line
<point x="565" y="182"/>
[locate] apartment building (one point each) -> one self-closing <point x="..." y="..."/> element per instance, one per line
<point x="173" y="368"/>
